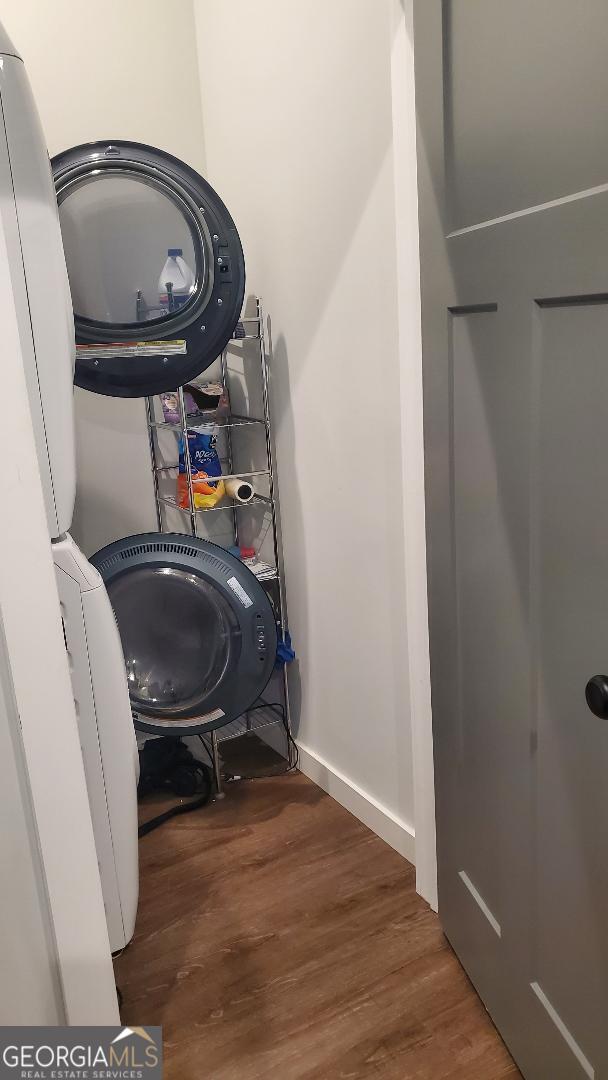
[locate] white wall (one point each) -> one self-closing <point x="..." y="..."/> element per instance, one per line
<point x="112" y="70"/>
<point x="300" y="144"/>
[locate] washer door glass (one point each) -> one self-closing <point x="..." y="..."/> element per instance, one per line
<point x="135" y="231"/>
<point x="179" y="636"/>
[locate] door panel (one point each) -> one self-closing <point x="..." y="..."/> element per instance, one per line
<point x="490" y="601"/>
<point x="515" y="333"/>
<point x="572" y="757"/>
<point x="513" y="89"/>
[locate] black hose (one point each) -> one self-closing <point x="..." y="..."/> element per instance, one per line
<point x="166" y="764"/>
<point x="181" y="808"/>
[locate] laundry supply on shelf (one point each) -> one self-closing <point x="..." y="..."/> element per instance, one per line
<point x="207" y="486"/>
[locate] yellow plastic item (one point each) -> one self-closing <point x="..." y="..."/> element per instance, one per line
<point x="206" y="494"/>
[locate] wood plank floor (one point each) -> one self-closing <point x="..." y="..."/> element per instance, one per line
<point x="278" y="937"/>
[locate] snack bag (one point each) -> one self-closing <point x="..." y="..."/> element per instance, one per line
<point x="205" y="466"/>
<point x="171" y="409"/>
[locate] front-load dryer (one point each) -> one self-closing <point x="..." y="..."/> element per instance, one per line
<point x="128" y="213"/>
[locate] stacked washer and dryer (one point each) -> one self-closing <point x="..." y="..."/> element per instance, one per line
<point x="190" y="624"/>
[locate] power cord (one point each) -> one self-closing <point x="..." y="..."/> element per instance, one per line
<point x="207" y="750"/>
<point x="293" y="748"/>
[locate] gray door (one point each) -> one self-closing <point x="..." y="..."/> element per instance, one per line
<point x="513" y="167"/>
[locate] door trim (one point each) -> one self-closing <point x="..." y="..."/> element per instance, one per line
<point x="412" y="442"/>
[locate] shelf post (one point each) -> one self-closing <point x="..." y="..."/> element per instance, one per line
<point x="186" y="451"/>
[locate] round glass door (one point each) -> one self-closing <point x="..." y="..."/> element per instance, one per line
<point x="179" y="639"/>
<point x="155" y="264"/>
<point x="198" y="631"/>
<point x="131" y="225"/>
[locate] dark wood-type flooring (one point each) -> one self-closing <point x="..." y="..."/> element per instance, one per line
<point x="278" y="937"/>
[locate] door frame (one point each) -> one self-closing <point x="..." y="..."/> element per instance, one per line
<point x="412" y="441"/>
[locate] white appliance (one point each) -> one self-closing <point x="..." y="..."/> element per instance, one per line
<point x="44" y="310"/>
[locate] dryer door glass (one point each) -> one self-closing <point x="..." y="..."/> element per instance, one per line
<point x="155" y="264"/>
<point x="131" y="225"/>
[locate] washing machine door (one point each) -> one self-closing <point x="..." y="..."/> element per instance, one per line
<point x="155" y="264"/>
<point x="197" y="630"/>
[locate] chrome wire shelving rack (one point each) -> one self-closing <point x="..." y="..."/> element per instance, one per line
<point x="263" y="504"/>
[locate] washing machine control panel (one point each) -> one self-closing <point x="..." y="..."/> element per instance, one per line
<point x="260" y="636"/>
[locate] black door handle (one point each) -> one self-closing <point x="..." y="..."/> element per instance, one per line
<point x="596" y="695"/>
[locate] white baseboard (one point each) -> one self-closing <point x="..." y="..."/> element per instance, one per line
<point x="395" y="832"/>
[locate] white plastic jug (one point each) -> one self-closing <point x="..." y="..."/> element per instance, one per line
<point x="176" y="281"/>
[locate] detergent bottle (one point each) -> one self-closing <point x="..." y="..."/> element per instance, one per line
<point x="176" y="282"/>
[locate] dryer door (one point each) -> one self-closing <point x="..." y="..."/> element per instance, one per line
<point x="155" y="264"/>
<point x="197" y="629"/>
<point x="106" y="735"/>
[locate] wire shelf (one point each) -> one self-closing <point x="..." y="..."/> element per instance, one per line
<point x="244" y="725"/>
<point x="224" y="476"/>
<point x="231" y="421"/>
<point x="251" y="328"/>
<point x="226" y="504"/>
